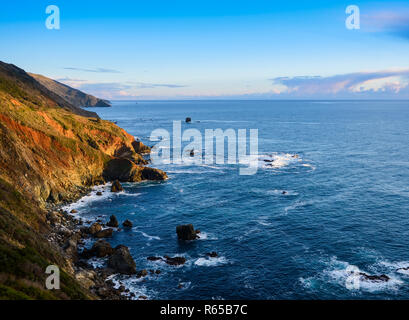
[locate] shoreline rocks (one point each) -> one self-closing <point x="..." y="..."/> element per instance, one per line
<point x="94" y="228"/>
<point x="116" y="186"/>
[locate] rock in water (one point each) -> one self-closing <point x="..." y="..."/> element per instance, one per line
<point x="127" y="224"/>
<point x="154" y="258"/>
<point x="212" y="254"/>
<point x="94" y="228"/>
<point x="186" y="232"/>
<point x="101" y="248"/>
<point x="175" y="261"/>
<point x="188" y="120"/>
<point x="113" y="222"/>
<point x="121" y="261"/>
<point x="142" y="273"/>
<point x="374" y="278"/>
<point x="116" y="186"/>
<point x="104" y="233"/>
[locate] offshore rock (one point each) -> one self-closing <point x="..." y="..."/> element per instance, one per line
<point x="113" y="222"/>
<point x="186" y="232"/>
<point x="121" y="261"/>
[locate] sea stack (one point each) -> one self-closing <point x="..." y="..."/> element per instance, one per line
<point x="186" y="232"/>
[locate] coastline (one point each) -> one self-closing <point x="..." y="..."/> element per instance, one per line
<point x="67" y="233"/>
<point x="67" y="236"/>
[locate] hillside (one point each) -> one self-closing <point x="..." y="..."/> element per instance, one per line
<point x="71" y="95"/>
<point x="50" y="152"/>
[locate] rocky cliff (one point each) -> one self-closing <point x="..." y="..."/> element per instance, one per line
<point x="50" y="152"/>
<point x="71" y="95"/>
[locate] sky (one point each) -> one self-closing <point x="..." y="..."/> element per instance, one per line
<point x="259" y="49"/>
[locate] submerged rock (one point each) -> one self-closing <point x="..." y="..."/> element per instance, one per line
<point x="175" y="261"/>
<point x="142" y="273"/>
<point x="375" y="278"/>
<point x="186" y="232"/>
<point x="113" y="222"/>
<point x="127" y="224"/>
<point x="121" y="261"/>
<point x="212" y="254"/>
<point x="99" y="193"/>
<point x="154" y="258"/>
<point x="116" y="186"/>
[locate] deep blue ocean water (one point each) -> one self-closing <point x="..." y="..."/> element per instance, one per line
<point x="347" y="202"/>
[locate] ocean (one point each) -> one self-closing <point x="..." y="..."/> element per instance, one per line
<point x="344" y="167"/>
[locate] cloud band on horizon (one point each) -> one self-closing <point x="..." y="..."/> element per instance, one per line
<point x="385" y="82"/>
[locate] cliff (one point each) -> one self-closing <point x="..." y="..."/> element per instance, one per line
<point x="71" y="95"/>
<point x="50" y="152"/>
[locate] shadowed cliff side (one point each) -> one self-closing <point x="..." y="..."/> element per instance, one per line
<point x="73" y="96"/>
<point x="50" y="152"/>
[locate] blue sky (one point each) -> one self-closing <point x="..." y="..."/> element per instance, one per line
<point x="214" y="49"/>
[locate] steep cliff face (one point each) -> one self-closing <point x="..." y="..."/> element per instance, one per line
<point x="50" y="151"/>
<point x="71" y="95"/>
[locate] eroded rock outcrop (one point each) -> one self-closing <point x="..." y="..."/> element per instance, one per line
<point x="121" y="261"/>
<point x="125" y="170"/>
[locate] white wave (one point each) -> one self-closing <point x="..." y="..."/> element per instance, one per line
<point x="91" y="197"/>
<point x="206" y="236"/>
<point x="129" y="194"/>
<point x="97" y="262"/>
<point x="147" y="235"/>
<point x="338" y="272"/>
<point x="133" y="284"/>
<point x="211" y="262"/>
<point x="278" y="160"/>
<point x="308" y="283"/>
<point x="263" y="222"/>
<point x="309" y="166"/>
<point x="401" y="267"/>
<point x="296" y="205"/>
<point x="284" y="193"/>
